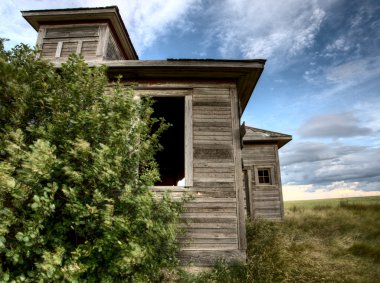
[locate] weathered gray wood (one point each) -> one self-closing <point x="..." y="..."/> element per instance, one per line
<point x="210" y="217"/>
<point x="211" y="129"/>
<point x="207" y="225"/>
<point x="215" y="193"/>
<point x="279" y="183"/>
<point x="105" y="40"/>
<point x="216" y="98"/>
<point x="59" y="50"/>
<point x="211" y="205"/>
<point x="40" y="39"/>
<point x="204" y="133"/>
<point x="112" y="51"/>
<point x="200" y="112"/>
<point x="210" y="209"/>
<point x="166" y="84"/>
<point x="189" y="152"/>
<point x="212" y="103"/>
<point x="68" y="48"/>
<point x="212" y="153"/>
<point x="213" y="120"/>
<point x="211" y="234"/>
<point x="79" y="47"/>
<point x="213" y="124"/>
<point x="220" y="175"/>
<point x="89" y="48"/>
<point x="216" y="145"/>
<point x="211" y="180"/>
<point x="249" y="194"/>
<point x="211" y="142"/>
<point x="219" y="185"/>
<point x="163" y="92"/>
<point x="71" y="31"/>
<point x="226" y="170"/>
<point x="205" y="92"/>
<point x="215" y="139"/>
<point x="206" y="164"/>
<point x="103" y="37"/>
<point x="238" y="169"/>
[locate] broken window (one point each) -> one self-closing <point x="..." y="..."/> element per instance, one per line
<point x="171" y="159"/>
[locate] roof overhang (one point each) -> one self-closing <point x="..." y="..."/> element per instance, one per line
<point x="260" y="136"/>
<point x="110" y="14"/>
<point x="245" y="73"/>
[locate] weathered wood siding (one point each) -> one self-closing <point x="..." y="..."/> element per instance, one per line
<point x="94" y="42"/>
<point x="264" y="201"/>
<point x="61" y="41"/>
<point x="211" y="222"/>
<point x="113" y="52"/>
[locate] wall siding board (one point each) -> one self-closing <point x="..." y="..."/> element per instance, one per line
<point x="266" y="200"/>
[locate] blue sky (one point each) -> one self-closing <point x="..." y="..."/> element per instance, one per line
<point x="321" y="82"/>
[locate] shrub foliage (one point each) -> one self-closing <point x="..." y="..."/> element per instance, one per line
<point x="76" y="164"/>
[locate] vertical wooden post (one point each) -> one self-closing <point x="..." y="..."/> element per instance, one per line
<point x="279" y="182"/>
<point x="79" y="46"/>
<point x="188" y="141"/>
<point x="238" y="169"/>
<point x="102" y="41"/>
<point x="249" y="192"/>
<point x="40" y="39"/>
<point x="59" y="50"/>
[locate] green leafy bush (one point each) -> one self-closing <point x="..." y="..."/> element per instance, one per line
<point x="76" y="164"/>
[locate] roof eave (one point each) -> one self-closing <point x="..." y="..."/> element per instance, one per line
<point x="245" y="73"/>
<point x="279" y="141"/>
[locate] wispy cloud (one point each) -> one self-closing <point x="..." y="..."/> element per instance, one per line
<point x="267" y="29"/>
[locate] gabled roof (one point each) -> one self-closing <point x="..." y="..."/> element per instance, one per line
<point x="109" y="14"/>
<point x="256" y="135"/>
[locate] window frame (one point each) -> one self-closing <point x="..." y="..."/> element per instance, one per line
<point x="271" y="175"/>
<point x="188" y="112"/>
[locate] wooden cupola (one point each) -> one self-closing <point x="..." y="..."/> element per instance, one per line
<point x="99" y="34"/>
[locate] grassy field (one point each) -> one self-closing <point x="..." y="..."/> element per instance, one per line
<point x="333" y="240"/>
<point x="332" y="202"/>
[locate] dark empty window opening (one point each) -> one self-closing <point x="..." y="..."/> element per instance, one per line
<point x="264" y="176"/>
<point x="171" y="159"/>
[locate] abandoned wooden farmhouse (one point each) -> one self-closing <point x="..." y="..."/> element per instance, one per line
<point x="233" y="171"/>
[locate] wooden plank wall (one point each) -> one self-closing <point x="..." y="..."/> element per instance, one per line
<point x="113" y="52"/>
<point x="266" y="199"/>
<point x="211" y="220"/>
<point x="60" y="41"/>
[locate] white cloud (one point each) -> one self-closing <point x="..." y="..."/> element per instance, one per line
<point x="268" y="29"/>
<point x="340" y="44"/>
<point x="355" y="70"/>
<point x="345" y="80"/>
<point x="147" y="21"/>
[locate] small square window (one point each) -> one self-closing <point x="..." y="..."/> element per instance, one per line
<point x="264" y="176"/>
